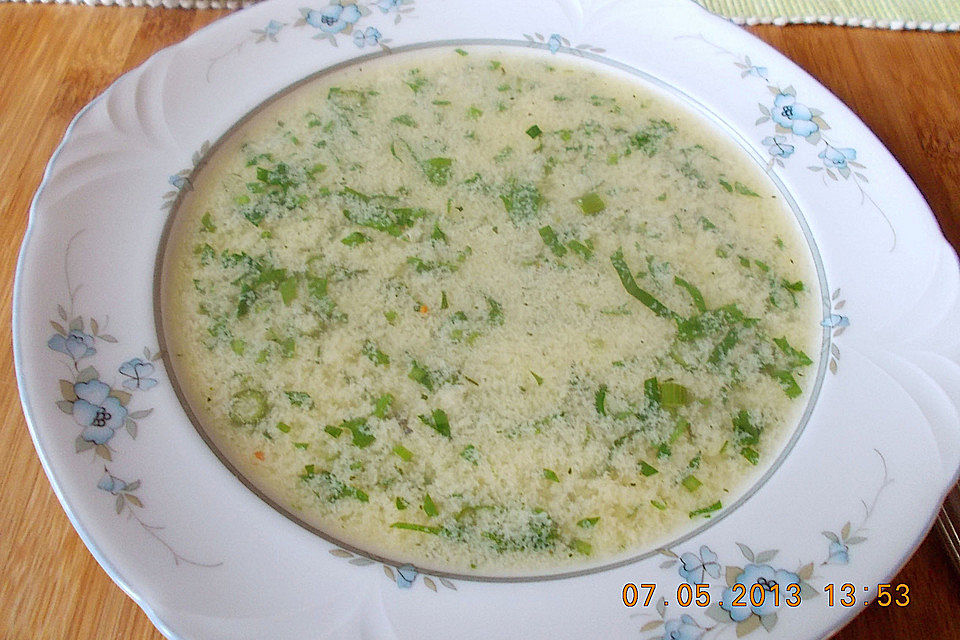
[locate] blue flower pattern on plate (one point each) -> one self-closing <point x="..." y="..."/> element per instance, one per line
<point x="765" y="576"/>
<point x="790" y="114"/>
<point x="837" y="158"/>
<point x="777" y="146"/>
<point x="682" y="628"/>
<point x="693" y="568"/>
<point x="334" y="18"/>
<point x="370" y="36"/>
<point x="97" y="411"/>
<point x="137" y="372"/>
<point x="75" y="344"/>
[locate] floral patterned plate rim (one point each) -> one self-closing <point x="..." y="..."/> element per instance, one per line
<point x="207" y="559"/>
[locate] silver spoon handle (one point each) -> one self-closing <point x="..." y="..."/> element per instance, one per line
<point x="948" y="524"/>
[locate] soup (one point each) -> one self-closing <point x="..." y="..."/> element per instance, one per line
<point x="489" y="312"/>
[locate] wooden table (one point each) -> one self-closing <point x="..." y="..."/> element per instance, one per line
<point x="54" y="59"/>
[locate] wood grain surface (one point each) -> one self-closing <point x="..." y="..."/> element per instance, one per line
<point x="54" y="59"/>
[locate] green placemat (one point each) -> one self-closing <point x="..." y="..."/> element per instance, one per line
<point x="927" y="15"/>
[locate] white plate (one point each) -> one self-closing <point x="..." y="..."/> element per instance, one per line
<point x="207" y="559"/>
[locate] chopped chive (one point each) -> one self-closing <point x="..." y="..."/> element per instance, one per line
<point x="428" y="507"/>
<point x="626" y="279"/>
<point x="238" y="346"/>
<point x="673" y="395"/>
<point x="207" y="222"/>
<point x="662" y="506"/>
<point x="792" y="286"/>
<point x="354" y="239"/>
<point x="798" y="358"/>
<point x="678" y="430"/>
<point x="374" y="354"/>
<point x="474" y="113"/>
<point x="401" y="504"/>
<point x="422" y="528"/>
<point x="382" y="405"/>
<point x="726" y="185"/>
<point x="663" y="451"/>
<point x="444" y="303"/>
<point x="691" y="483"/>
<point x="284" y="427"/>
<point x="588" y="523"/>
<point x="728" y="342"/>
<point x="743" y="189"/>
<point x="438" y="233"/>
<point x="301" y="445"/>
<point x="549" y="474"/>
<point x="403" y="453"/>
<point x="333" y="431"/>
<point x="549" y="237"/>
<point x="716" y="506"/>
<point x="471" y="454"/>
<point x="299" y="399"/>
<point x="534" y="132"/>
<point x="585" y="251"/>
<point x="420" y="374"/>
<point x="787" y="382"/>
<point x="591" y="203"/>
<point x="537" y="378"/>
<point x="437" y="421"/>
<point x="288" y="290"/>
<point x="647" y="469"/>
<point x="600" y="399"/>
<point x="747" y="432"/>
<point x="461" y="52"/>
<point x="694" y="293"/>
<point x="405" y="119"/>
<point x="750" y="454"/>
<point x="582" y="547"/>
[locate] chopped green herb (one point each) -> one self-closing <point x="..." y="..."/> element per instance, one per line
<point x="550" y="475"/>
<point x="283" y="427"/>
<point x="694" y="293"/>
<point x="437" y="170"/>
<point x="207" y="223"/>
<point x="743" y="189"/>
<point x="750" y="454"/>
<point x="797" y="358"/>
<point x="376" y="356"/>
<point x="626" y="278"/>
<point x="673" y="395"/>
<point x="585" y="251"/>
<point x="416" y="527"/>
<point x="299" y="399"/>
<point x="333" y="431"/>
<point x="438" y="233"/>
<point x="726" y="185"/>
<point x="537" y="378"/>
<point x="581" y="547"/>
<point x="521" y="200"/>
<point x="288" y="290"/>
<point x="405" y="119"/>
<point x="301" y="445"/>
<point x="474" y="113"/>
<point x="534" y="132"/>
<point x="401" y="504"/>
<point x="691" y="483"/>
<point x="471" y="454"/>
<point x="419" y="373"/>
<point x="494" y="312"/>
<point x="461" y="52"/>
<point x="382" y="406"/>
<point x="716" y="506"/>
<point x="402" y="452"/>
<point x="238" y="346"/>
<point x="354" y="239"/>
<point x="550" y="239"/>
<point x="662" y="506"/>
<point x="591" y="203"/>
<point x="437" y="421"/>
<point x="600" y="399"/>
<point x="746" y="431"/>
<point x="588" y="523"/>
<point x="646" y="469"/>
<point x="428" y="507"/>
<point x="390" y="316"/>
